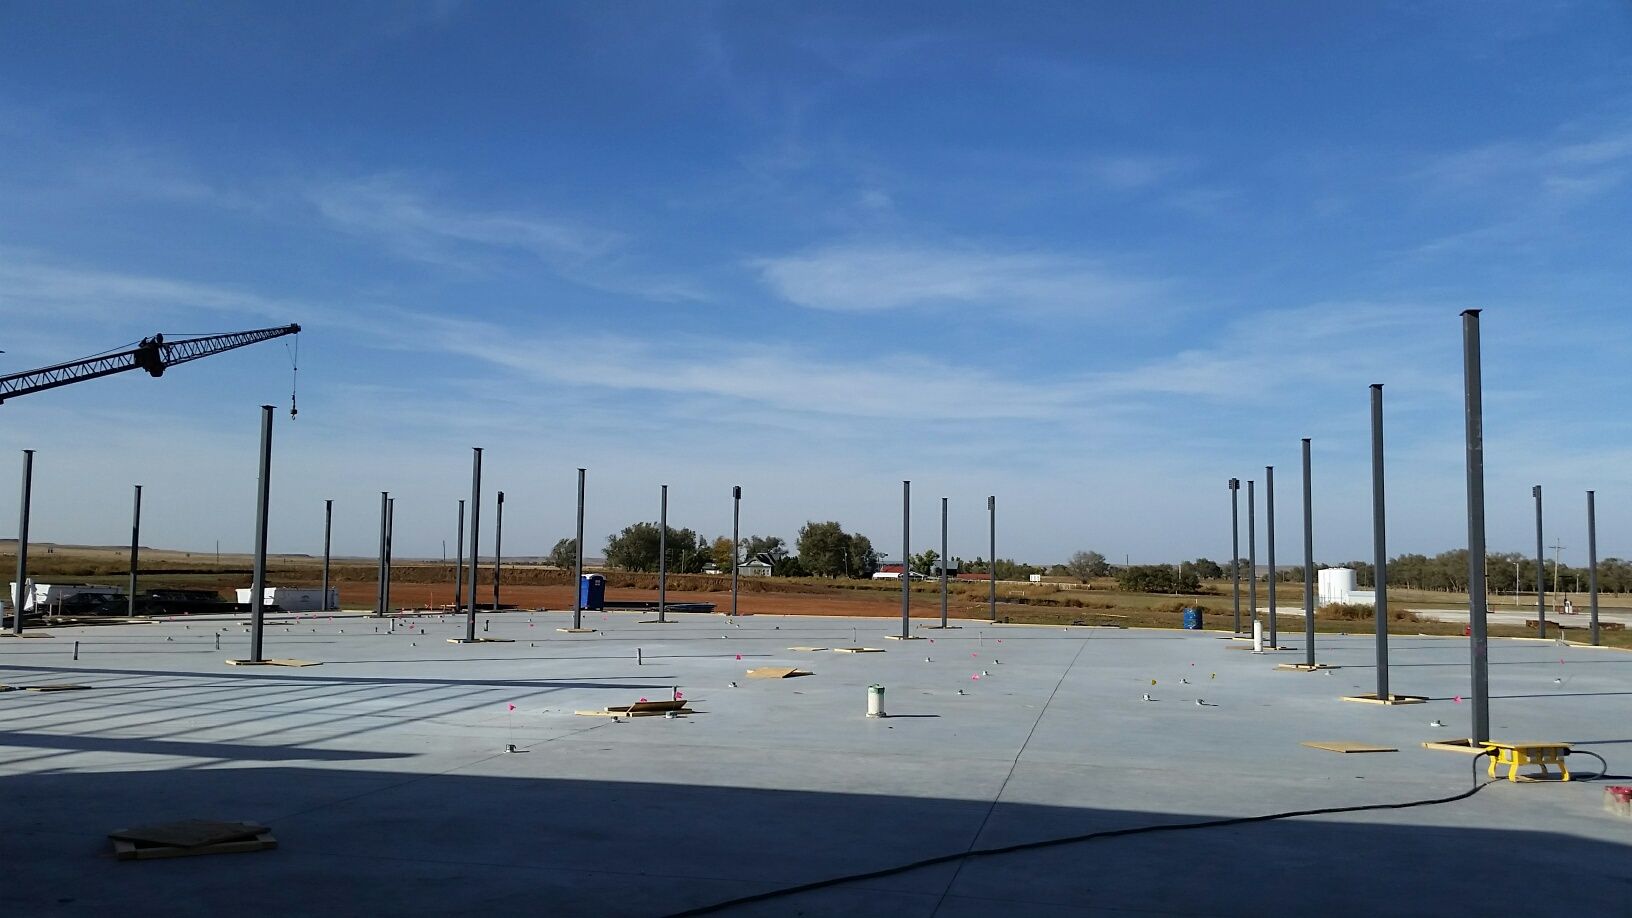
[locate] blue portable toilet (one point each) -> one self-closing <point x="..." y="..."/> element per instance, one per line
<point x="1192" y="619"/>
<point x="592" y="592"/>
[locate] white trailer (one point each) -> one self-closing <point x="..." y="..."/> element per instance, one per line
<point x="292" y="599"/>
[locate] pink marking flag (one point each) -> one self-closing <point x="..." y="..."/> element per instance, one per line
<point x="512" y="707"/>
<point x="642" y="701"/>
<point x="678" y="694"/>
<point x="739" y="656"/>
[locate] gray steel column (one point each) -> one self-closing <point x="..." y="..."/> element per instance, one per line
<point x="1269" y="538"/>
<point x="459" y="561"/>
<point x="943" y="562"/>
<point x="257" y="594"/>
<point x="578" y="560"/>
<point x="1252" y="549"/>
<point x="991" y="575"/>
<point x="390" y="539"/>
<point x="663" y="554"/>
<point x="906" y="557"/>
<point x="379" y="567"/>
<point x="20" y="597"/>
<point x="1592" y="563"/>
<point x="736" y="542"/>
<point x="1235" y="549"/>
<point x="475" y="539"/>
<point x="328" y="530"/>
<point x="1541" y="570"/>
<point x="1479" y="647"/>
<point x="1308" y="560"/>
<point x="498" y="549"/>
<point x="1379" y="539"/>
<point x="135" y="548"/>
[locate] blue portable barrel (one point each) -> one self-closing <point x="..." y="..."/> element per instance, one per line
<point x="1192" y="619"/>
<point x="592" y="592"/>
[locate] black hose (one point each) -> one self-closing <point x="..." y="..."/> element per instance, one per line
<point x="1073" y="839"/>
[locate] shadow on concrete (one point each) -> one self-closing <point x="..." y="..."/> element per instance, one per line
<point x="203" y="750"/>
<point x="390" y="843"/>
<point x="316" y="678"/>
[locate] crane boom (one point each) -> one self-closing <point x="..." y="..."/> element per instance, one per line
<point x="153" y="355"/>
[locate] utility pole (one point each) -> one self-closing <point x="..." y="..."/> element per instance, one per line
<point x="1558" y="553"/>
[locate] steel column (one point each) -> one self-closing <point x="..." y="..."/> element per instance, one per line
<point x="1269" y="538"/>
<point x="1235" y="550"/>
<point x="1379" y="539"/>
<point x="1541" y="570"/>
<point x="943" y="562"/>
<point x="1252" y="549"/>
<point x="663" y="555"/>
<point x="1592" y="563"/>
<point x="991" y="575"/>
<point x="578" y="560"/>
<point x="135" y="548"/>
<point x="736" y="542"/>
<point x="379" y="567"/>
<point x="459" y="561"/>
<point x="20" y="597"/>
<point x="257" y="597"/>
<point x="328" y="531"/>
<point x="475" y="540"/>
<point x="906" y="557"/>
<point x="1479" y="646"/>
<point x="498" y="549"/>
<point x="1308" y="561"/>
<point x="390" y="548"/>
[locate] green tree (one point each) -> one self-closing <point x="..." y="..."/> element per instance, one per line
<point x="824" y="549"/>
<point x="925" y="563"/>
<point x="723" y="553"/>
<point x="1085" y="565"/>
<point x="636" y="548"/>
<point x="565" y="554"/>
<point x="1209" y="570"/>
<point x="863" y="561"/>
<point x="772" y="547"/>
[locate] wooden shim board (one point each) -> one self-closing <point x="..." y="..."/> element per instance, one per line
<point x="481" y="640"/>
<point x="1303" y="667"/>
<point x="910" y="637"/>
<point x="190" y="833"/>
<point x="576" y="630"/>
<point x="807" y="649"/>
<point x="609" y="712"/>
<point x="776" y="672"/>
<point x="643" y="706"/>
<point x="132" y="851"/>
<point x="858" y="650"/>
<point x="1371" y="698"/>
<point x="47" y="687"/>
<point x="1464" y="746"/>
<point x="294" y="663"/>
<point x="1346" y="747"/>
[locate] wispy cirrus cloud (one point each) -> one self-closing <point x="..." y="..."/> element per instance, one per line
<point x="877" y="278"/>
<point x="403" y="219"/>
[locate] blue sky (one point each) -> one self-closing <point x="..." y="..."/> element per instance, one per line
<point x="1093" y="258"/>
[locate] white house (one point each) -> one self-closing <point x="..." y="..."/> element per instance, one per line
<point x="754" y="568"/>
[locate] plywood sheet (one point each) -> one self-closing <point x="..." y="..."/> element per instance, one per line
<point x="776" y="672"/>
<point x="1347" y="747"/>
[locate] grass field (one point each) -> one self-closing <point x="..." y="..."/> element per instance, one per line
<point x="426" y="584"/>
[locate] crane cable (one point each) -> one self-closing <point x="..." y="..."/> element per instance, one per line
<point x="294" y="374"/>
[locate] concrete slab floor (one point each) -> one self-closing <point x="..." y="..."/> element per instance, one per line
<point x="383" y="776"/>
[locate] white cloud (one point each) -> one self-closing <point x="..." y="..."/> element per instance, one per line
<point x="862" y="278"/>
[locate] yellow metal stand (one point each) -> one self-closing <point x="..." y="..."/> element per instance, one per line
<point x="1515" y="754"/>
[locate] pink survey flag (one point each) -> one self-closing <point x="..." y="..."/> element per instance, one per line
<point x="512" y="707"/>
